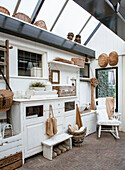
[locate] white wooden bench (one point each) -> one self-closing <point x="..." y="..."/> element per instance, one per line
<point x="49" y="143"/>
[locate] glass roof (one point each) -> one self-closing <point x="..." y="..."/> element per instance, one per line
<point x="72" y="19"/>
<point x="9" y="5"/>
<point x="27" y="7"/>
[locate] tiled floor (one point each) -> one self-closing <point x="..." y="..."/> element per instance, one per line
<point x="103" y="154"/>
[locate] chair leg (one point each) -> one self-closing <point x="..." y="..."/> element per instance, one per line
<point x="116" y="131"/>
<point x="99" y="131"/>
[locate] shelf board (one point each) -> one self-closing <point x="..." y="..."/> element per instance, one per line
<point x="18" y="28"/>
<point x="84" y="79"/>
<point x="64" y="64"/>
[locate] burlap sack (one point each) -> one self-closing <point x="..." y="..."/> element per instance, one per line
<point x="49" y="126"/>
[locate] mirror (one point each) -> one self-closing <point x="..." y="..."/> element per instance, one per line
<point x="108" y="83"/>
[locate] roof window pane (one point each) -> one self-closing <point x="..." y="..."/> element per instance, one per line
<point x="88" y="29"/>
<point x="72" y="20"/>
<point x="27" y="7"/>
<point x="9" y="5"/>
<point x="49" y="11"/>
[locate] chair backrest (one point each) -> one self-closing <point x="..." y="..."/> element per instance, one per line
<point x="101" y="110"/>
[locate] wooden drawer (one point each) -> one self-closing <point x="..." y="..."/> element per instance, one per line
<point x="10" y="146"/>
<point x="55" y="105"/>
<point x="11" y="162"/>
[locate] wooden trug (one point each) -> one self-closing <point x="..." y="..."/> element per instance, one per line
<point x="11" y="162"/>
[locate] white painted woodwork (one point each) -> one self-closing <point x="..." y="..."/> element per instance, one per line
<point x="33" y="129"/>
<point x="89" y="120"/>
<point x="123" y="99"/>
<point x="49" y="143"/>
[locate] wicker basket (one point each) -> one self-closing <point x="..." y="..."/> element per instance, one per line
<point x="41" y="24"/>
<point x="6" y="99"/>
<point x="103" y="60"/>
<point x="113" y="58"/>
<point x="4" y="10"/>
<point x="63" y="60"/>
<point x="79" y="61"/>
<point x="22" y="17"/>
<point x="78" y="137"/>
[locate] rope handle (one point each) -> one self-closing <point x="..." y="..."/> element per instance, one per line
<point x="51" y="109"/>
<point x="5" y="80"/>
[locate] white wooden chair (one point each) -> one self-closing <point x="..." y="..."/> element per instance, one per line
<point x="103" y="120"/>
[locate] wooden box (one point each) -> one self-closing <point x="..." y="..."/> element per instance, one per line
<point x="64" y="91"/>
<point x="79" y="61"/>
<point x="11" y="162"/>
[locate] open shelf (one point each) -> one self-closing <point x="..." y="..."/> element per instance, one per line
<point x="64" y="64"/>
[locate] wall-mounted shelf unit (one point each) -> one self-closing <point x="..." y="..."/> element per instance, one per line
<point x="63" y="64"/>
<point x="28" y="31"/>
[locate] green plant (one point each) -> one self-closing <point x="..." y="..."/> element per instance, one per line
<point x="37" y="84"/>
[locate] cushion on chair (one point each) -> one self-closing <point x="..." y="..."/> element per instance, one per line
<point x="113" y="122"/>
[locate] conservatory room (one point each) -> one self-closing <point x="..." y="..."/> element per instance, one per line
<point x="62" y="79"/>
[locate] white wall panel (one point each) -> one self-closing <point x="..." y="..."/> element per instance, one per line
<point x="105" y="41"/>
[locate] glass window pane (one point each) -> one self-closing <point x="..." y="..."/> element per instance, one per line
<point x="49" y="11"/>
<point x="27" y="7"/>
<point x="10" y="5"/>
<point x="89" y="29"/>
<point x="71" y="20"/>
<point x="29" y="64"/>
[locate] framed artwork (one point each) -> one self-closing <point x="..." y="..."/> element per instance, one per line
<point x="55" y="76"/>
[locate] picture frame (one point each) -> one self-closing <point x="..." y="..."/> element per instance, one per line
<point x="55" y="76"/>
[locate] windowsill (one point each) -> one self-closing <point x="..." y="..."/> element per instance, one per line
<point x="26" y="77"/>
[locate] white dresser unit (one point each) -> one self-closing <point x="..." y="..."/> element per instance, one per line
<point x="29" y="117"/>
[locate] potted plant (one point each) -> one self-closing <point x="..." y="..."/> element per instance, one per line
<point x="37" y="86"/>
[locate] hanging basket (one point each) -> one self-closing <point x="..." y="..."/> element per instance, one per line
<point x="6" y="99"/>
<point x="103" y="60"/>
<point x="41" y="24"/>
<point x="22" y="17"/>
<point x="113" y="58"/>
<point x="4" y="10"/>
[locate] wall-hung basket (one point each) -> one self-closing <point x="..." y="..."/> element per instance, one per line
<point x="6" y="99"/>
<point x="4" y="10"/>
<point x="6" y="96"/>
<point x="22" y="17"/>
<point x="103" y="60"/>
<point x="113" y="58"/>
<point x="41" y="24"/>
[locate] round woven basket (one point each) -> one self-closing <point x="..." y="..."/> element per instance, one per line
<point x="6" y="99"/>
<point x="4" y="10"/>
<point x="113" y="58"/>
<point x="103" y="60"/>
<point x="22" y="17"/>
<point x="78" y="137"/>
<point x="41" y="24"/>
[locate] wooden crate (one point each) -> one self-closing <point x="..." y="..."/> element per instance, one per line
<point x="11" y="162"/>
<point x="64" y="91"/>
<point x="79" y="61"/>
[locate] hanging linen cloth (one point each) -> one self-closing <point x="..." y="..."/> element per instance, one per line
<point x="78" y="117"/>
<point x="110" y="106"/>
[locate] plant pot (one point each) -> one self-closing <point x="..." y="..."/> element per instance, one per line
<point x="37" y="88"/>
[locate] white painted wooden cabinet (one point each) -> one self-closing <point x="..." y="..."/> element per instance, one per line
<point x="89" y="121"/>
<point x="33" y="127"/>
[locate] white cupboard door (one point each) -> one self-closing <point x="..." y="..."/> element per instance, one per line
<point x="33" y="137"/>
